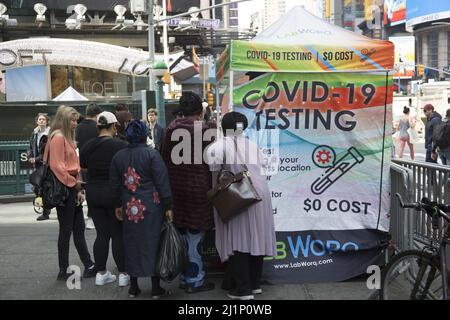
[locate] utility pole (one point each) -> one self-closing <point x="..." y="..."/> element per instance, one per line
<point x="226" y="15"/>
<point x="151" y="44"/>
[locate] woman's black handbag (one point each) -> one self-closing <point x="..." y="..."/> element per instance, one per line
<point x="53" y="192"/>
<point x="233" y="193"/>
<point x="37" y="176"/>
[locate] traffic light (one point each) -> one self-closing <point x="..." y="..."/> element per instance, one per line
<point x="210" y="99"/>
<point x="420" y="70"/>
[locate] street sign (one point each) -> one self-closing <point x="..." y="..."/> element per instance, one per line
<point x="208" y="23"/>
<point x="201" y="23"/>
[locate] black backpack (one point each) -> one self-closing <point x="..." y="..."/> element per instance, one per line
<point x="441" y="134"/>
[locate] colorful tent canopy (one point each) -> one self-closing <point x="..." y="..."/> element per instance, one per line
<point x="302" y="42"/>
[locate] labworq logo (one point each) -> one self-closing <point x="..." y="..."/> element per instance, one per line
<point x="305" y="247"/>
<point x="367" y="53"/>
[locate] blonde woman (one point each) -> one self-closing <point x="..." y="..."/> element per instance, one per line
<point x="65" y="165"/>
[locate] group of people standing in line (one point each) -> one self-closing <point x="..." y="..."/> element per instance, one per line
<point x="132" y="184"/>
<point x="432" y="147"/>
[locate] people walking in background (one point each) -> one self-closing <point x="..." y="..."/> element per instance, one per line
<point x="38" y="141"/>
<point x="433" y="119"/>
<point x="96" y="156"/>
<point x="244" y="240"/>
<point x="65" y="164"/>
<point x="190" y="180"/>
<point x="140" y="185"/>
<point x="87" y="130"/>
<point x="155" y="130"/>
<point x="405" y="123"/>
<point x="441" y="139"/>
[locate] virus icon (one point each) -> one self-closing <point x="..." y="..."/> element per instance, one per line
<point x="323" y="156"/>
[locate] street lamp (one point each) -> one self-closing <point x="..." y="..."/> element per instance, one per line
<point x="40" y="10"/>
<point x="159" y="68"/>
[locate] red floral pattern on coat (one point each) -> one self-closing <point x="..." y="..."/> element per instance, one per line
<point x="135" y="210"/>
<point x="156" y="199"/>
<point x="132" y="179"/>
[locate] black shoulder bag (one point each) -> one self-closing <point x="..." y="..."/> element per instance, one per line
<point x="53" y="192"/>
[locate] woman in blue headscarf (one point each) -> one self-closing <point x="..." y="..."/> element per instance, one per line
<point x="141" y="186"/>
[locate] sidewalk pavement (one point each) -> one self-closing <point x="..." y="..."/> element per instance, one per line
<point x="29" y="266"/>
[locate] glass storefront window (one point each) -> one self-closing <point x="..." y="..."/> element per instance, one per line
<point x="433" y="42"/>
<point x="95" y="84"/>
<point x="448" y="49"/>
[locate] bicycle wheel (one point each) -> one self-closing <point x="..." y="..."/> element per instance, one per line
<point x="400" y="276"/>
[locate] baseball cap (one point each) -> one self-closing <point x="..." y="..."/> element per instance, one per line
<point x="428" y="107"/>
<point x="105" y="118"/>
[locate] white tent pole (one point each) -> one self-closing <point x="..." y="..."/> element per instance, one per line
<point x="230" y="102"/>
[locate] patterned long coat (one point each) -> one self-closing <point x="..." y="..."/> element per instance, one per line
<point x="140" y="182"/>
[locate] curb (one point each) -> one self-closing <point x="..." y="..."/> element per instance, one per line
<point x="19" y="198"/>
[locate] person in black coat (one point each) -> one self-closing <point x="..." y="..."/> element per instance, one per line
<point x="38" y="140"/>
<point x="85" y="131"/>
<point x="433" y="119"/>
<point x="155" y="131"/>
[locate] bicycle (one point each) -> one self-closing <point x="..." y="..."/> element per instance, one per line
<point x="417" y="274"/>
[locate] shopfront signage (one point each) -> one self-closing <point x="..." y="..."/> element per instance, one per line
<point x="88" y="54"/>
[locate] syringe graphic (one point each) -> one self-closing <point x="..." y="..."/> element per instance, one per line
<point x="343" y="165"/>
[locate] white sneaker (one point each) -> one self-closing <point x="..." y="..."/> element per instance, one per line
<point x="236" y="297"/>
<point x="124" y="280"/>
<point x="102" y="279"/>
<point x="257" y="291"/>
<point x="90" y="224"/>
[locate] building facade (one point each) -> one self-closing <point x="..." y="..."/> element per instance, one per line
<point x="430" y="25"/>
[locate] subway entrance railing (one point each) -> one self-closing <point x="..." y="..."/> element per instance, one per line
<point x="14" y="168"/>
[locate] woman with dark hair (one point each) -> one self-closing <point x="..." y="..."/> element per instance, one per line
<point x="244" y="240"/>
<point x="65" y="165"/>
<point x="38" y="141"/>
<point x="140" y="185"/>
<point x="404" y="124"/>
<point x="190" y="180"/>
<point x="123" y="118"/>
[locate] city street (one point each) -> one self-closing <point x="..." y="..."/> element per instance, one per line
<point x="267" y="132"/>
<point x="29" y="267"/>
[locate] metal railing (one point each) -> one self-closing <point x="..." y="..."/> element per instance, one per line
<point x="401" y="220"/>
<point x="431" y="181"/>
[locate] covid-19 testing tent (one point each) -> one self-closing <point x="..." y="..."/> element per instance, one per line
<point x="318" y="99"/>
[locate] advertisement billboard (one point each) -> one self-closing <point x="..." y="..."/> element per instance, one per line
<point x="421" y="11"/>
<point x="27" y="84"/>
<point x="394" y="12"/>
<point x="404" y="57"/>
